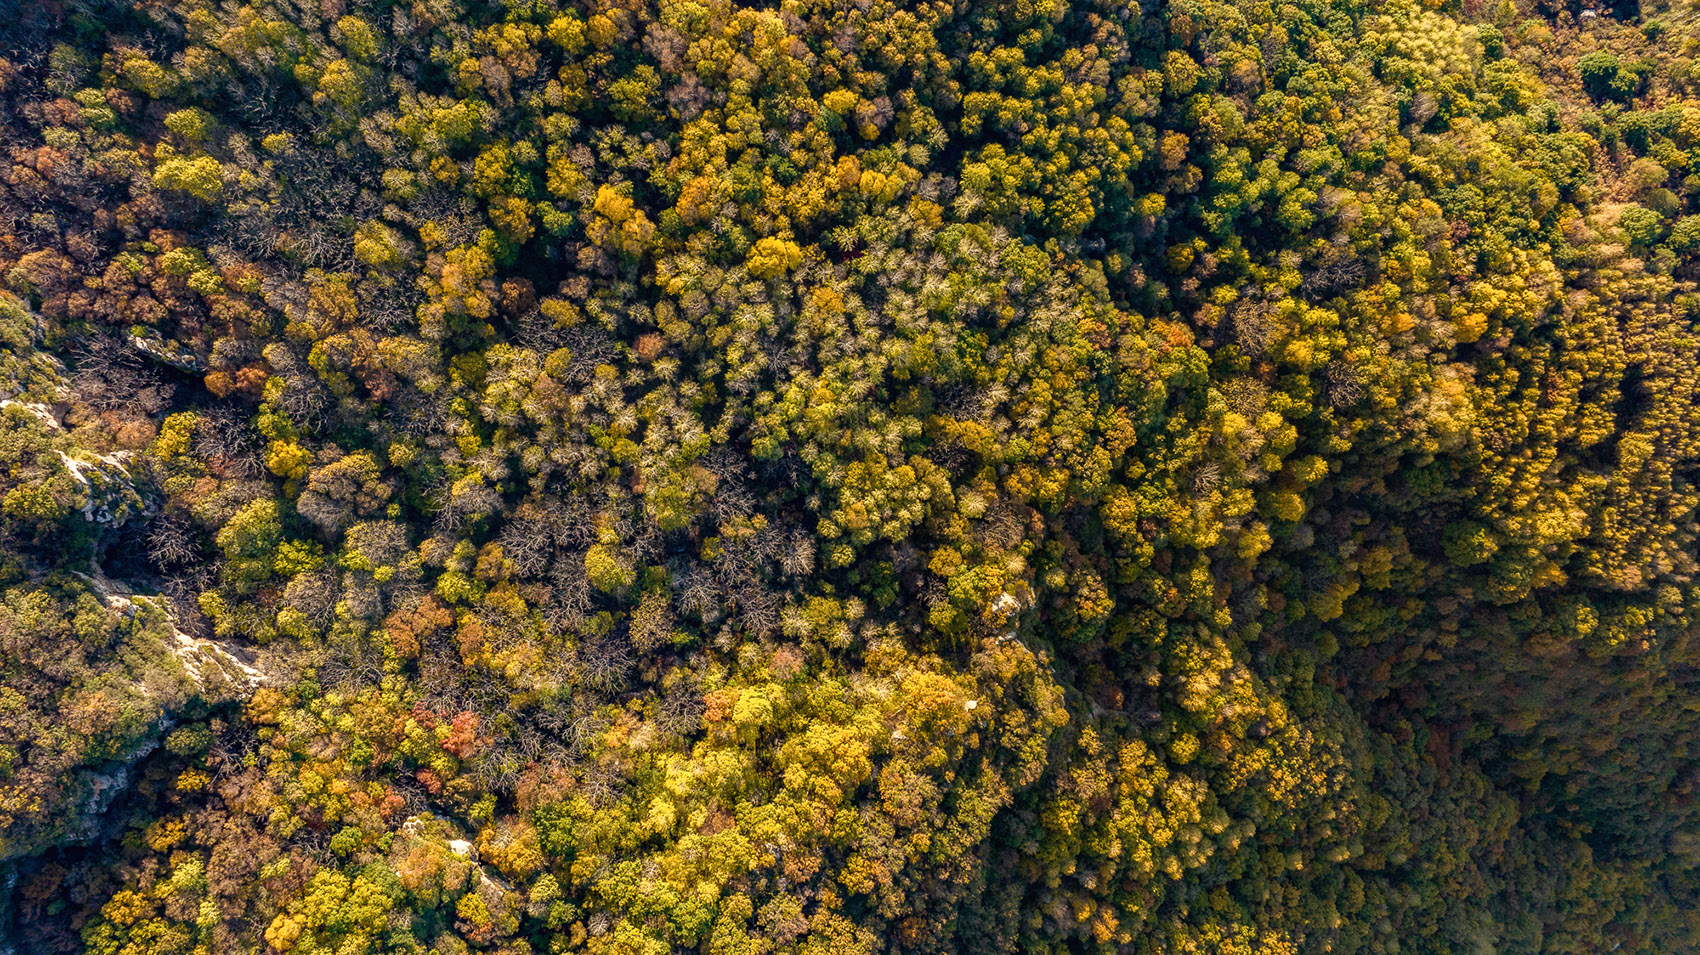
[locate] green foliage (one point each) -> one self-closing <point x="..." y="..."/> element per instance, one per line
<point x="1643" y="226"/>
<point x="249" y="541"/>
<point x="602" y="478"/>
<point x="1605" y="76"/>
<point x="193" y="125"/>
<point x="200" y="176"/>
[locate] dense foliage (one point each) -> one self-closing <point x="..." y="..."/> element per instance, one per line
<point x="636" y="476"/>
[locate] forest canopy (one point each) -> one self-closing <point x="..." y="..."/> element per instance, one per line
<point x="627" y="477"/>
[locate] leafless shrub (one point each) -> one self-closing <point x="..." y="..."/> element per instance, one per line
<point x="110" y="375"/>
<point x="229" y="443"/>
<point x="171" y="541"/>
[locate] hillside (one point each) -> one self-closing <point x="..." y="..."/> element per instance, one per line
<point x="1048" y="476"/>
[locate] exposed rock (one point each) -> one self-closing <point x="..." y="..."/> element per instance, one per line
<point x="41" y="410"/>
<point x="209" y="662"/>
<point x="149" y="343"/>
<point x="110" y="495"/>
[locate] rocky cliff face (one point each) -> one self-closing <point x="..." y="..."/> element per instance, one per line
<point x="97" y="670"/>
<point x="156" y="671"/>
<point x="59" y="795"/>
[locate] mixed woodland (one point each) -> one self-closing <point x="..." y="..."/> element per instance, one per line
<point x="832" y="477"/>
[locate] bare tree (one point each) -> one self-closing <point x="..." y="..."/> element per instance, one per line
<point x="498" y="769"/>
<point x="755" y="609"/>
<point x="171" y="541"/>
<point x="699" y="595"/>
<point x="569" y="590"/>
<point x="413" y="414"/>
<point x="681" y="708"/>
<point x="1253" y="326"/>
<point x="184" y="593"/>
<point x="388" y="305"/>
<point x="527" y="542"/>
<point x="352" y="664"/>
<point x="303" y="398"/>
<point x="537" y="332"/>
<point x="109" y="375"/>
<point x="604" y="662"/>
<point x="798" y="557"/>
<point x="1345" y="383"/>
<point x="229" y="442"/>
<point x="314" y="595"/>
